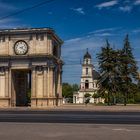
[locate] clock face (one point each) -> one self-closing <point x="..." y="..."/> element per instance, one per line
<point x="21" y="47"/>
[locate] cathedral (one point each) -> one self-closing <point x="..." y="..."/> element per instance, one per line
<point x="88" y="83"/>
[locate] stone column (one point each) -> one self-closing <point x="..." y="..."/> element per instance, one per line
<point x="33" y="86"/>
<point x="58" y="83"/>
<point x="9" y="87"/>
<point x="60" y="89"/>
<point x="54" y="83"/>
<point x="51" y="81"/>
<point x="45" y="92"/>
<point x="6" y="82"/>
<point x="48" y="81"/>
<point x="12" y="89"/>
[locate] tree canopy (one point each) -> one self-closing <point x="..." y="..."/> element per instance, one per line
<point x="118" y="71"/>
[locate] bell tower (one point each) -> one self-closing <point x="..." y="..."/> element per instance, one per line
<point x="87" y="72"/>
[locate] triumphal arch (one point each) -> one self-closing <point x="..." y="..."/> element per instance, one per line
<point x="30" y="68"/>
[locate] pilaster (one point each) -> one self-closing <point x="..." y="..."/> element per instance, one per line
<point x="33" y="86"/>
<point x="45" y="92"/>
<point x="6" y="82"/>
<point x="51" y="81"/>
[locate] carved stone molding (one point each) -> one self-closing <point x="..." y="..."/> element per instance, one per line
<point x="3" y="70"/>
<point x="39" y="70"/>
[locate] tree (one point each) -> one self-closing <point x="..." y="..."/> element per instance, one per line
<point x="127" y="68"/>
<point x="87" y="95"/>
<point x="95" y="95"/>
<point x="108" y="71"/>
<point x="67" y="91"/>
<point x="87" y="98"/>
<point x="75" y="87"/>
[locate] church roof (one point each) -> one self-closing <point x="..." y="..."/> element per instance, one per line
<point x="87" y="55"/>
<point x="96" y="75"/>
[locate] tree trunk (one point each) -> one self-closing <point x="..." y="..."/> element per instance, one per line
<point x="114" y="100"/>
<point x="125" y="99"/>
<point x="108" y="99"/>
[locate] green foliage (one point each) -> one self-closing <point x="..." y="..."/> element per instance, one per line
<point x="118" y="70"/>
<point x="87" y="100"/>
<point x="137" y="97"/>
<point x="28" y="97"/>
<point x="75" y="87"/>
<point x="87" y="95"/>
<point x="128" y="70"/>
<point x="96" y="95"/>
<point x="108" y="61"/>
<point x="67" y="90"/>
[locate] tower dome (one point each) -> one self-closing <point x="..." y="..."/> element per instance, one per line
<point x="87" y="55"/>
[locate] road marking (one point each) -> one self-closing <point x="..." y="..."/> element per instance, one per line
<point x="123" y="129"/>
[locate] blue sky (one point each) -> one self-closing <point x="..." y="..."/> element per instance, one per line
<point x="81" y="24"/>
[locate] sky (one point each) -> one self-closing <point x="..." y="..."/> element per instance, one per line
<point x="81" y="24"/>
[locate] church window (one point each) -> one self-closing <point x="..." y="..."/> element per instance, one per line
<point x="86" y="84"/>
<point x="86" y="71"/>
<point x="86" y="61"/>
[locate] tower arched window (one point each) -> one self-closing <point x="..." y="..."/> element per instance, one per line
<point x="86" y="71"/>
<point x="86" y="84"/>
<point x="86" y="61"/>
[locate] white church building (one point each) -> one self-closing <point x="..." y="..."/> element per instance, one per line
<point x="88" y="84"/>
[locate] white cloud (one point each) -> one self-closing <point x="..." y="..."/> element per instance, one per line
<point x="107" y="4"/>
<point x="126" y="8"/>
<point x="105" y="30"/>
<point x="73" y="40"/>
<point x="79" y="10"/>
<point x="137" y="2"/>
<point x="104" y="34"/>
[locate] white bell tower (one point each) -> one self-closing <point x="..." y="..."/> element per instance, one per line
<point x="87" y="73"/>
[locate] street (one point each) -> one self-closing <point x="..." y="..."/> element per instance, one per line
<point x="69" y="124"/>
<point x="70" y="116"/>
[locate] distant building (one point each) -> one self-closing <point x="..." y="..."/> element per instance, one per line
<point x="88" y="84"/>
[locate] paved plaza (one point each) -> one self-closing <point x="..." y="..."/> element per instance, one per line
<point x="39" y="131"/>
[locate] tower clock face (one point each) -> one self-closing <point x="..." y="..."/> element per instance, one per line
<point x="21" y="48"/>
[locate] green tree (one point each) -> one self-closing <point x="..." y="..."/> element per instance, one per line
<point x="108" y="70"/>
<point x="75" y="87"/>
<point x="87" y="95"/>
<point x="127" y="68"/>
<point x="67" y="91"/>
<point x="87" y="98"/>
<point x="95" y="95"/>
